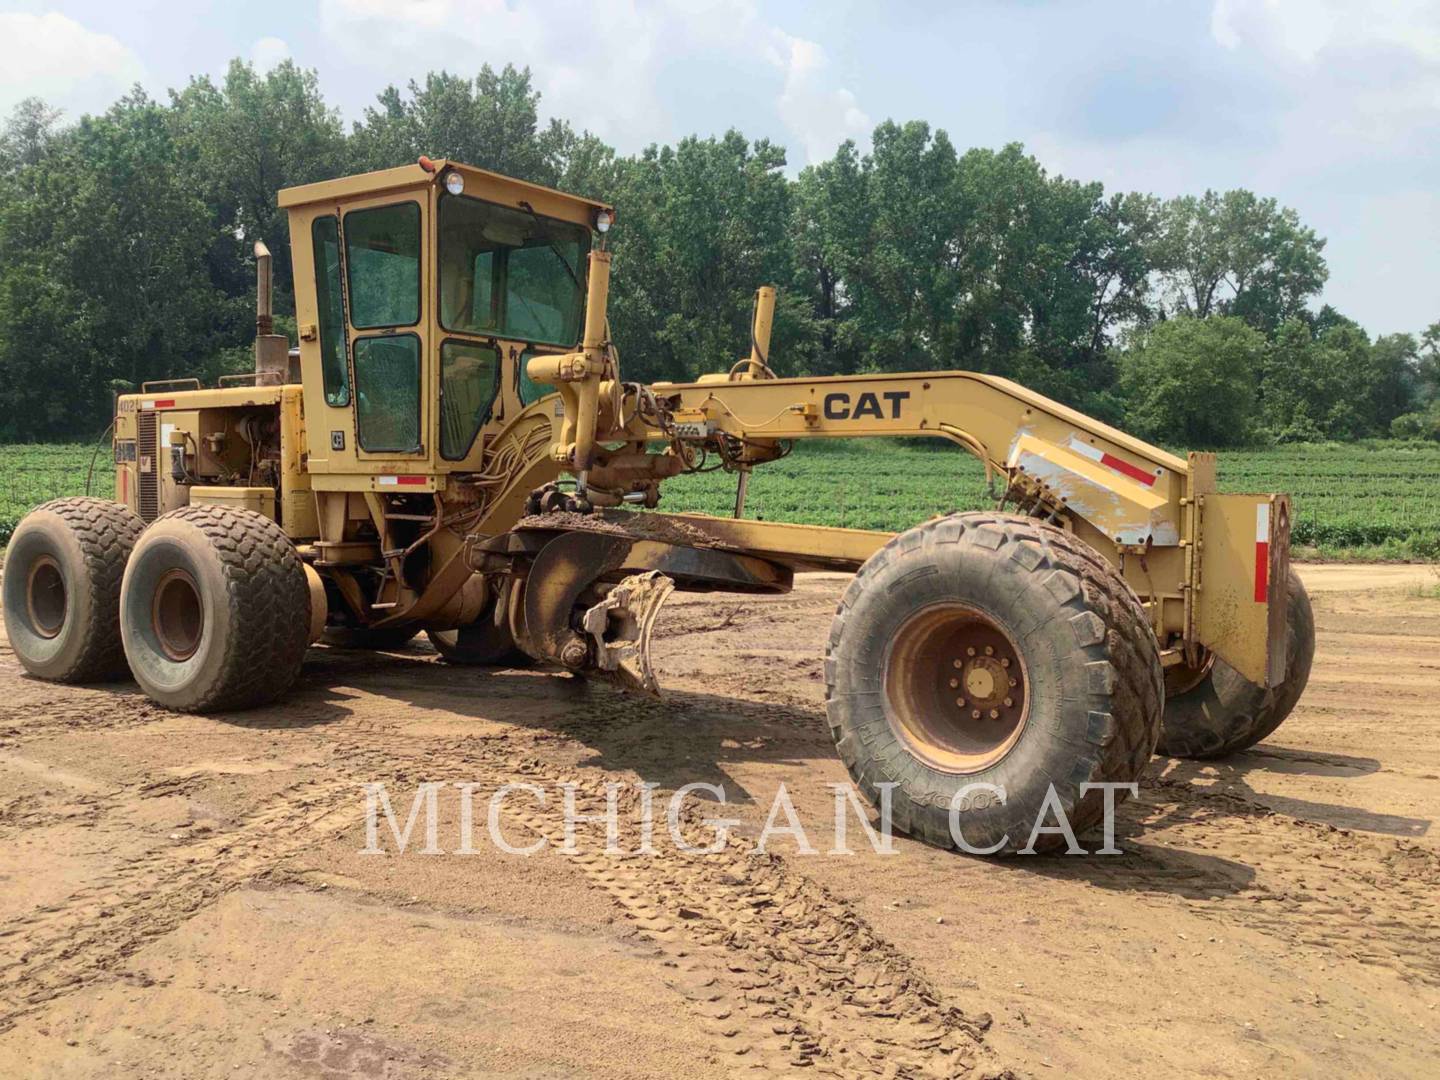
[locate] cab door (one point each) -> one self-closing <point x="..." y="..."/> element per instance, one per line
<point x="385" y="289"/>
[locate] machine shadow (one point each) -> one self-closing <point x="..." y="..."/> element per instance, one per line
<point x="684" y="738"/>
<point x="1229" y="779"/>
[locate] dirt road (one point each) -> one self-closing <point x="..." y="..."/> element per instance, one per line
<point x="187" y="897"/>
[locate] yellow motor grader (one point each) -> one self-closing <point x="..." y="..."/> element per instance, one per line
<point x="452" y="449"/>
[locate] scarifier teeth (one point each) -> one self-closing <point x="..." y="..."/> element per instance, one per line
<point x="621" y="625"/>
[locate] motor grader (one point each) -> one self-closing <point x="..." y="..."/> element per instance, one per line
<point x="451" y="448"/>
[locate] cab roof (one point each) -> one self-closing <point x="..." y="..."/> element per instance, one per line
<point x="480" y="183"/>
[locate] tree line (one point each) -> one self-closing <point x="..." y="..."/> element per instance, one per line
<point x="125" y="245"/>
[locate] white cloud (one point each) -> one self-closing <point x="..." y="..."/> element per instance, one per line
<point x="818" y="113"/>
<point x="1303" y="29"/>
<point x="1359" y="73"/>
<point x="1332" y="106"/>
<point x="603" y="65"/>
<point x="268" y="52"/>
<point x="53" y="57"/>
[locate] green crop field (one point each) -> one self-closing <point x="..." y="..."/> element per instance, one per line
<point x="1376" y="500"/>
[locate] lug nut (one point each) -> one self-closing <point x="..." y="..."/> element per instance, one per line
<point x="960" y="701"/>
<point x="1009" y="702"/>
<point x="975" y="715"/>
<point x="994" y="714"/>
<point x="970" y="651"/>
<point x="959" y="662"/>
<point x="1013" y="683"/>
<point x="1005" y="662"/>
<point x="954" y="683"/>
<point x="989" y="650"/>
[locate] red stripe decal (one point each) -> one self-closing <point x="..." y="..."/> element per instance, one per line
<point x="1262" y="572"/>
<point x="165" y="403"/>
<point x="1139" y="475"/>
<point x="410" y="479"/>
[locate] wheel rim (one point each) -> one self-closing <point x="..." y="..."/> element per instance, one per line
<point x="45" y="598"/>
<point x="955" y="688"/>
<point x="176" y="615"/>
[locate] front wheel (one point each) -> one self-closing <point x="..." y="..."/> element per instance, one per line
<point x="1215" y="711"/>
<point x="214" y="610"/>
<point x="988" y="667"/>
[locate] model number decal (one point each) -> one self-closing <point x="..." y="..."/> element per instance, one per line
<point x="837" y="406"/>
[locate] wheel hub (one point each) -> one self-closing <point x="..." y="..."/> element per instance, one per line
<point x="176" y="615"/>
<point x="955" y="688"/>
<point x="45" y="597"/>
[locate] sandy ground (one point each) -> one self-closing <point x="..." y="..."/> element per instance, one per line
<point x="187" y="897"/>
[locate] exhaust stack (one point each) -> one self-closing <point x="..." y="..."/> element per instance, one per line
<point x="272" y="350"/>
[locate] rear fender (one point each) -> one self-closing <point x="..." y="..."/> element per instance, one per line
<point x="1241" y="599"/>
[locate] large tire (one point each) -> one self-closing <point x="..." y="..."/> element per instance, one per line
<point x="482" y="643"/>
<point x="215" y="610"/>
<point x="1221" y="712"/>
<point x="62" y="589"/>
<point x="1027" y="596"/>
<point x="366" y="637"/>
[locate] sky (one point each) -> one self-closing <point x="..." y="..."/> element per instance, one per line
<point x="1331" y="106"/>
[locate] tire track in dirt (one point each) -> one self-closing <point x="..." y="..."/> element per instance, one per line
<point x="85" y="807"/>
<point x="1373" y="900"/>
<point x="61" y="947"/>
<point x="781" y="974"/>
<point x="778" y="973"/>
<point x="60" y="710"/>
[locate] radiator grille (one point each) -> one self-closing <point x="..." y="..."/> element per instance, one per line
<point x="148" y="467"/>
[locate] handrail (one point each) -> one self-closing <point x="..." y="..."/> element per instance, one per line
<point x="253" y="376"/>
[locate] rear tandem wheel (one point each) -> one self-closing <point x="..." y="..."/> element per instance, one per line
<point x="1214" y="711"/>
<point x="214" y="610"/>
<point x="62" y="588"/>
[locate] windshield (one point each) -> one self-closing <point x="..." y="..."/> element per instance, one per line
<point x="509" y="274"/>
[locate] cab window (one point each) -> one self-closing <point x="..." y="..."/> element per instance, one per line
<point x="382" y="257"/>
<point x="387" y="393"/>
<point x="510" y="274"/>
<point x="469" y="380"/>
<point x="325" y="234"/>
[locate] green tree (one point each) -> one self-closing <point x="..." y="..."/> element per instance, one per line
<point x="704" y="224"/>
<point x="1428" y="364"/>
<point x="29" y="135"/>
<point x="491" y="121"/>
<point x="1314" y="386"/>
<point x="103" y="273"/>
<point x="239" y="144"/>
<point x="1391" y="380"/>
<point x="1236" y="254"/>
<point x="830" y="228"/>
<point x="1192" y="381"/>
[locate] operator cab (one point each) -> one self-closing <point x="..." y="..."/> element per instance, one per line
<point x="421" y="292"/>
